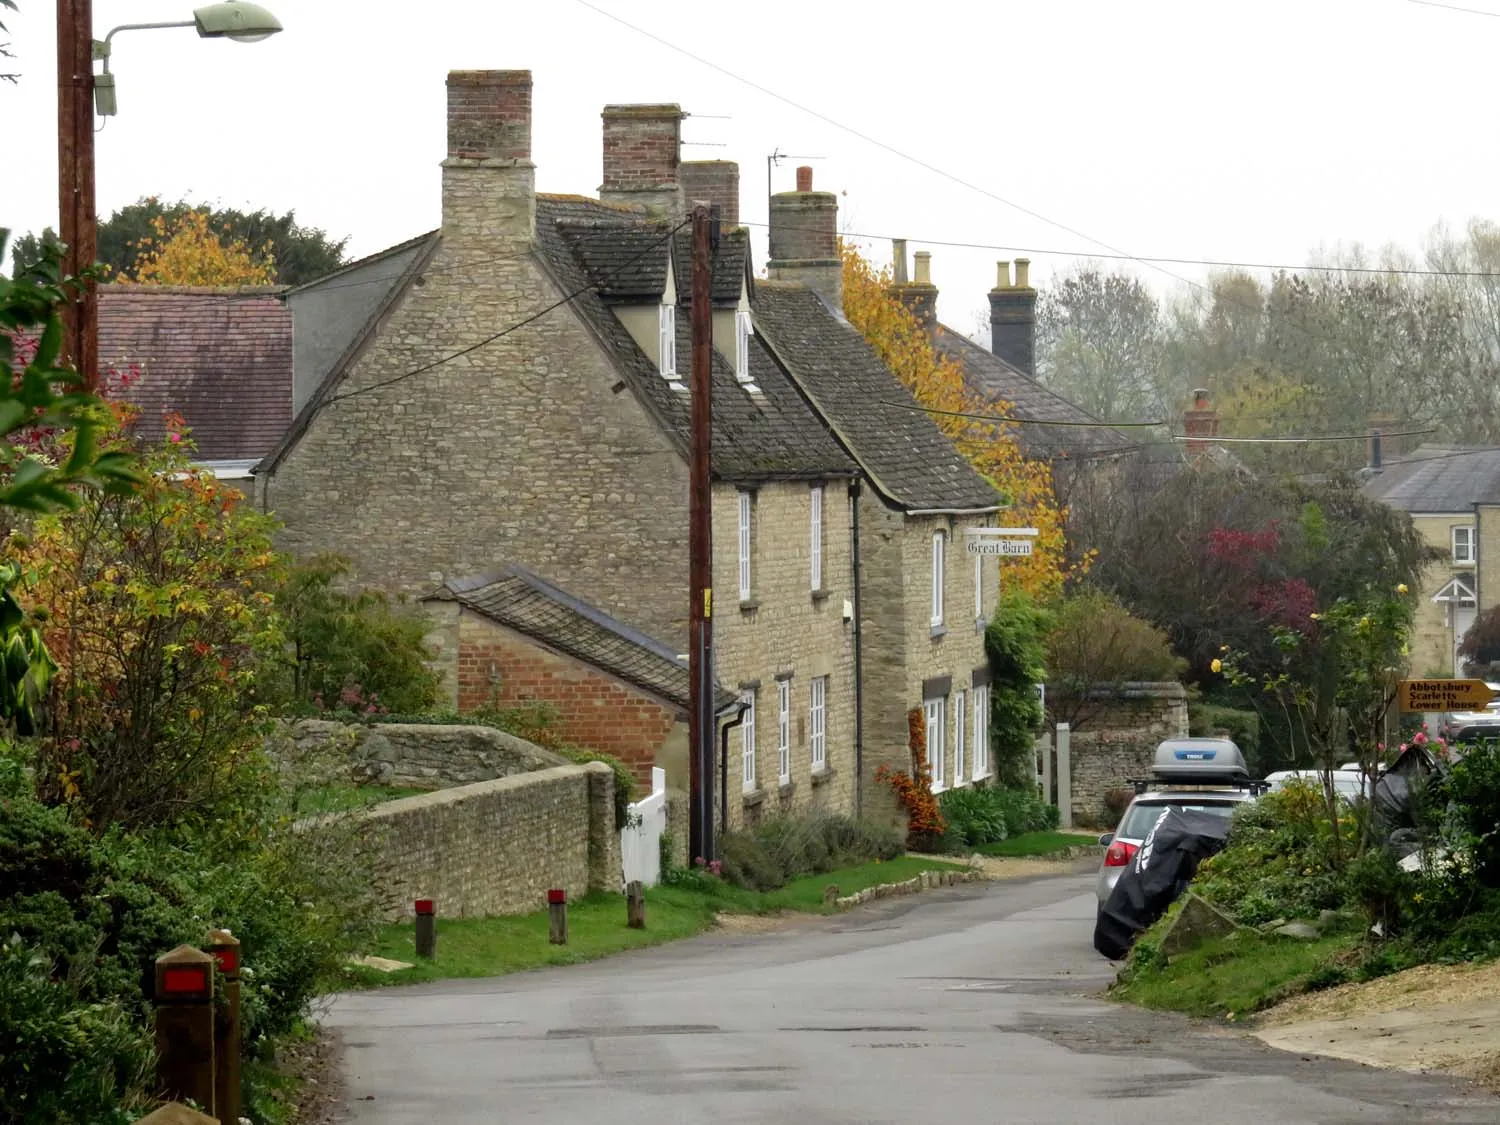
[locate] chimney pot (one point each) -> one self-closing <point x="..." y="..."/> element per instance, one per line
<point x="1023" y="273"/>
<point x="1202" y="421"/>
<point x="804" y="178"/>
<point x="1013" y="317"/>
<point x="1002" y="275"/>
<point x="805" y="241"/>
<point x="924" y="267"/>
<point x="898" y="261"/>
<point x="1200" y="398"/>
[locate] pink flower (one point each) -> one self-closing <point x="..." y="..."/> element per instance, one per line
<point x="174" y="438"/>
<point x="1380" y="746"/>
<point x="1419" y="738"/>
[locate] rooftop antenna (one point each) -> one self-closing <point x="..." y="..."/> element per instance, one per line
<point x="776" y="157"/>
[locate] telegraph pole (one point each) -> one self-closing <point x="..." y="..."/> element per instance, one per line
<point x="77" y="222"/>
<point x="700" y="551"/>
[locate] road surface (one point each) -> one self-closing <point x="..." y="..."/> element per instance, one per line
<point x="971" y="1004"/>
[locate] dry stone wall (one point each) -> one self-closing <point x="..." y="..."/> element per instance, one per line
<point x="424" y="754"/>
<point x="1119" y="743"/>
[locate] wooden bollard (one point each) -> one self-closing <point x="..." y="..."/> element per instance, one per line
<point x="224" y="948"/>
<point x="635" y="905"/>
<point x="557" y="916"/>
<point x="426" y="911"/>
<point x="185" y="1026"/>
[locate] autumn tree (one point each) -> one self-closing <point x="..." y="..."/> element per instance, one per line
<point x="937" y="382"/>
<point x="186" y="251"/>
<point x="1094" y="642"/>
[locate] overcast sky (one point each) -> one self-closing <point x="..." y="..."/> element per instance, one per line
<point x="1195" y="129"/>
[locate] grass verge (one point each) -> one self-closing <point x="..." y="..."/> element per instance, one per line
<point x="1230" y="977"/>
<point x="1037" y="844"/>
<point x="486" y="947"/>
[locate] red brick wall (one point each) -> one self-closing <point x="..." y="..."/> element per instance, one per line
<point x="593" y="710"/>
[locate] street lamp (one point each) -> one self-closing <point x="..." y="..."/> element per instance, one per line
<point x="79" y="93"/>
<point x="243" y="23"/>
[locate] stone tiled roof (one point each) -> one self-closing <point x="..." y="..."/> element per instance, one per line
<point x="222" y="358"/>
<point x="626" y="258"/>
<point x="1439" y="479"/>
<point x="994" y="379"/>
<point x="899" y="446"/>
<point x="773" y="435"/>
<point x="523" y="601"/>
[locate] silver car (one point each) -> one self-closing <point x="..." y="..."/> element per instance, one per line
<point x="1143" y="812"/>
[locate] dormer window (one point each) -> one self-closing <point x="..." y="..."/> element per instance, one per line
<point x="742" y="333"/>
<point x="667" y="340"/>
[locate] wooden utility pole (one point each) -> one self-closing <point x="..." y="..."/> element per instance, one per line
<point x="700" y="553"/>
<point x="77" y="222"/>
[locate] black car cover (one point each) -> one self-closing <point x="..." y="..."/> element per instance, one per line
<point x="1160" y="871"/>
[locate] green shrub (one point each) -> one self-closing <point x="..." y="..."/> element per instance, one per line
<point x="770" y="855"/>
<point x="974" y="816"/>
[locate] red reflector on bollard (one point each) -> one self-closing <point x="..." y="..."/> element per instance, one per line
<point x="556" y="895"/>
<point x="188" y="980"/>
<point x="425" y="906"/>
<point x="228" y="958"/>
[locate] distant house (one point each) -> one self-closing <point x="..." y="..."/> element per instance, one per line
<point x="220" y="358"/>
<point x="511" y="390"/>
<point x="1452" y="494"/>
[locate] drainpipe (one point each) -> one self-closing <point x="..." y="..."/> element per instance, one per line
<point x="859" y="672"/>
<point x="739" y="718"/>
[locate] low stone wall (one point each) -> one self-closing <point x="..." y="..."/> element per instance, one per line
<point x="1106" y="754"/>
<point x="496" y="847"/>
<point x="424" y="754"/>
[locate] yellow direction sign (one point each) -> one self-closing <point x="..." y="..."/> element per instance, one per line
<point x="1443" y="695"/>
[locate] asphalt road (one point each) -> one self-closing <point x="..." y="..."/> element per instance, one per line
<point x="973" y="1004"/>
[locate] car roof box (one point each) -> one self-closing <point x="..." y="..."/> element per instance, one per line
<point x="1199" y="761"/>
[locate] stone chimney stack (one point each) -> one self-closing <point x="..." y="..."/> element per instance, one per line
<point x="1383" y="446"/>
<point x="919" y="294"/>
<point x="714" y="181"/>
<point x="804" y="240"/>
<point x="489" y="181"/>
<point x="1013" y="317"/>
<point x="642" y="157"/>
<point x="1200" y="423"/>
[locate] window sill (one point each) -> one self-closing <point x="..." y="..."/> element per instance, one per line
<point x="938" y="632"/>
<point x="749" y="605"/>
<point x="822" y="776"/>
<point x="822" y="595"/>
<point x="752" y="797"/>
<point x="786" y="788"/>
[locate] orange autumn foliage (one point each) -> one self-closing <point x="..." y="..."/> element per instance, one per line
<point x="189" y="252"/>
<point x="938" y="383"/>
<point x="924" y="815"/>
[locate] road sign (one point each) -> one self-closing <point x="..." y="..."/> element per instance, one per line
<point x="1443" y="695"/>
<point x="1008" y="548"/>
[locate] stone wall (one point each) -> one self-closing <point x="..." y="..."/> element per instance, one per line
<point x="496" y="847"/>
<point x="421" y="754"/>
<point x="1120" y="743"/>
<point x="786" y="631"/>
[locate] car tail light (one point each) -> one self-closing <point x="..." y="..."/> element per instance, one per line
<point x="1119" y="854"/>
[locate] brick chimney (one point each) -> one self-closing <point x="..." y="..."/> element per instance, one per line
<point x="804" y="239"/>
<point x="919" y="294"/>
<point x="489" y="181"/>
<point x="642" y="157"/>
<point x="1201" y="422"/>
<point x="714" y="181"/>
<point x="1013" y="316"/>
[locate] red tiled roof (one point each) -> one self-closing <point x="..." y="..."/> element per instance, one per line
<point x="222" y="358"/>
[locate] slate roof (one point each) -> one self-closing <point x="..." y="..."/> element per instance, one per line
<point x="222" y="358"/>
<point x="900" y="447"/>
<point x="993" y="378"/>
<point x="523" y="601"/>
<point x="1439" y="479"/>
<point x="773" y="435"/>
<point x="623" y="255"/>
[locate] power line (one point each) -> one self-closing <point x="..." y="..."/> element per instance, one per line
<point x="1019" y="421"/>
<point x="876" y="141"/>
<point x="517" y="326"/>
<point x="1455" y="8"/>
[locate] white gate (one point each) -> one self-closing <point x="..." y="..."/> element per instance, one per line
<point x="640" y="840"/>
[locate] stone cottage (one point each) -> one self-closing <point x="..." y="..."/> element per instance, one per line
<point x="510" y="392"/>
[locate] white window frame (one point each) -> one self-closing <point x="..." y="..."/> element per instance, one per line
<point x="1467" y="556"/>
<point x="666" y="340"/>
<point x="817" y="723"/>
<point x="815" y="545"/>
<point x="745" y="515"/>
<point x="784" y="730"/>
<point x="743" y="330"/>
<point x="936" y="713"/>
<point x="981" y="731"/>
<point x="939" y="558"/>
<point x="747" y="741"/>
<point x="978" y="587"/>
<point x="960" y="743"/>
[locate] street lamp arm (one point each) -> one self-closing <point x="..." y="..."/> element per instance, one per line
<point x="102" y="47"/>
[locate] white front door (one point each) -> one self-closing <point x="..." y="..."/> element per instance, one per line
<point x="1463" y="617"/>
